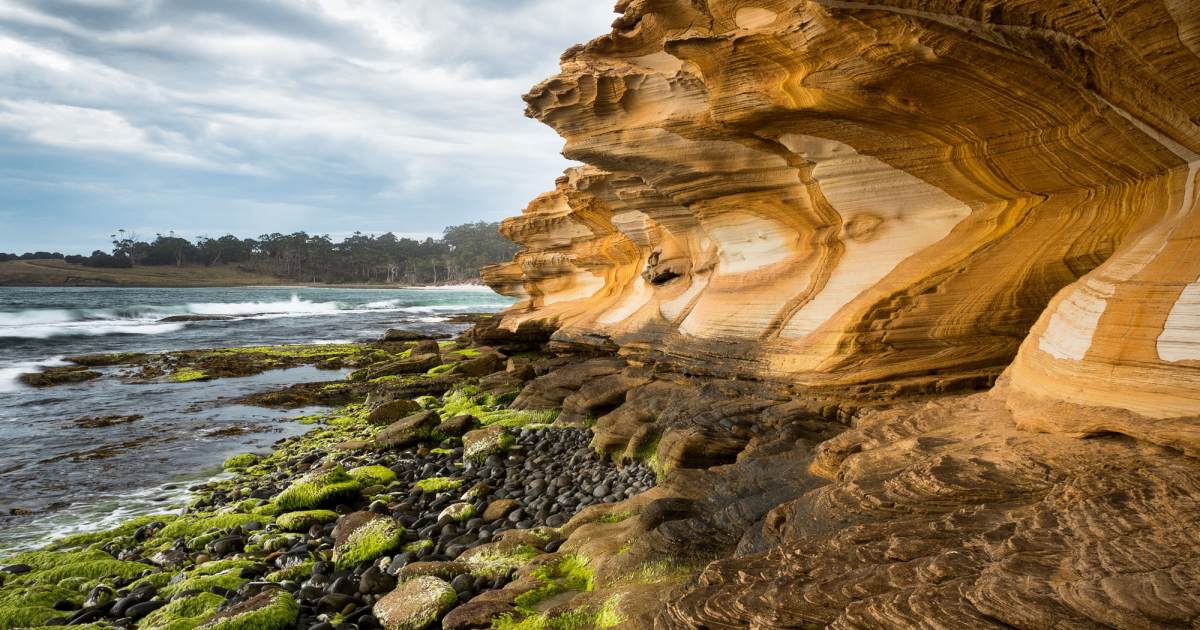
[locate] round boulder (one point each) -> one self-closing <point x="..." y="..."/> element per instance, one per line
<point x="416" y="604"/>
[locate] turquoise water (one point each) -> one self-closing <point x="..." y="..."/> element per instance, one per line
<point x="48" y="464"/>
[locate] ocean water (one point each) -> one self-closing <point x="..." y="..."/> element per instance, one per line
<point x="76" y="479"/>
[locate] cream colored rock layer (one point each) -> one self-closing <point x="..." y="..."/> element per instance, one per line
<point x="886" y="198"/>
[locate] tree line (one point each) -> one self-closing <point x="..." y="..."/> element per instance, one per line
<point x="360" y="258"/>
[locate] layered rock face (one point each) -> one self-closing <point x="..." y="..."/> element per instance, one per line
<point x="843" y="205"/>
<point x="842" y="193"/>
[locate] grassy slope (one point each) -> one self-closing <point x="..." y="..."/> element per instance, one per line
<point x="59" y="273"/>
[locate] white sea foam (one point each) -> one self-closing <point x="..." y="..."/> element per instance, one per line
<point x="90" y="328"/>
<point x="147" y="320"/>
<point x="294" y="306"/>
<point x="95" y="516"/>
<point x="10" y="373"/>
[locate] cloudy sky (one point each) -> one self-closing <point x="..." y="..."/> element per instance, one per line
<point x="251" y="116"/>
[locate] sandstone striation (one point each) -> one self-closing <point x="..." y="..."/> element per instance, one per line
<point x="803" y="233"/>
<point x="876" y="196"/>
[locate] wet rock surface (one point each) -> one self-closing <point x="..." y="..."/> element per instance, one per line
<point x="395" y="533"/>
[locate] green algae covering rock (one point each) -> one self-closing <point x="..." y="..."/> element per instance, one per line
<point x="479" y="444"/>
<point x="269" y="610"/>
<point x="458" y="512"/>
<point x="373" y="475"/>
<point x="392" y="411"/>
<point x="364" y="536"/>
<point x="301" y="521"/>
<point x="241" y="462"/>
<point x="183" y="614"/>
<point x="416" y="604"/>
<point x="317" y="490"/>
<point x="196" y="582"/>
<point x="408" y="431"/>
<point x="415" y="364"/>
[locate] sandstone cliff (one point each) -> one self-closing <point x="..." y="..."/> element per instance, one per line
<point x="847" y="206"/>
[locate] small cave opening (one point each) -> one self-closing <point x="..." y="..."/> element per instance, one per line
<point x="663" y="277"/>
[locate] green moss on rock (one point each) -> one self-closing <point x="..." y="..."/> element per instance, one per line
<point x="32" y="605"/>
<point x="458" y="512"/>
<point x="187" y="375"/>
<point x="438" y="484"/>
<point x="241" y="461"/>
<point x="220" y="566"/>
<point x="194" y="525"/>
<point x="295" y="572"/>
<point x="441" y="369"/>
<point x="270" y="610"/>
<point x="52" y="567"/>
<point x="314" y="491"/>
<point x="183" y="614"/>
<point x="589" y="618"/>
<point x="125" y="529"/>
<point x="203" y="583"/>
<point x="416" y="604"/>
<point x="26" y="616"/>
<point x="370" y="541"/>
<point x="373" y="475"/>
<point x="302" y="521"/>
<point x="478" y="445"/>
<point x="417" y="545"/>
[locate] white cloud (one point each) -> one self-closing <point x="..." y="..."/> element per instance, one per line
<point x="401" y="111"/>
<point x="86" y="129"/>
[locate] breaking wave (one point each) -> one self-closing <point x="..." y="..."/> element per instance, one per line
<point x="148" y="320"/>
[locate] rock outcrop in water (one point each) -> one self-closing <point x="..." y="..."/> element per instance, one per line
<point x="794" y="213"/>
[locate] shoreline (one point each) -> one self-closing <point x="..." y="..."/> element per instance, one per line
<point x="423" y="472"/>
<point x="500" y="481"/>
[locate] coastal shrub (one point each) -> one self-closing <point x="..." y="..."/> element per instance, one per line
<point x="314" y="491"/>
<point x="372" y="540"/>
